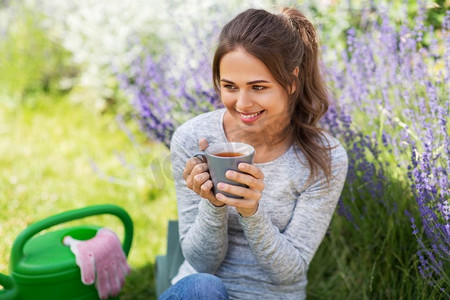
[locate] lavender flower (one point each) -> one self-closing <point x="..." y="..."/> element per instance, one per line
<point x="389" y="80"/>
<point x="165" y="93"/>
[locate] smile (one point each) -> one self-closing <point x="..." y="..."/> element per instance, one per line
<point x="249" y="117"/>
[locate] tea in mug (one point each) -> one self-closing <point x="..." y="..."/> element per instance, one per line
<point x="228" y="154"/>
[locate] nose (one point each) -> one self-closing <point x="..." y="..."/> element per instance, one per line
<point x="243" y="101"/>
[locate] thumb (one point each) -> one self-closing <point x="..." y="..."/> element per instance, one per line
<point x="202" y="144"/>
<point x="69" y="241"/>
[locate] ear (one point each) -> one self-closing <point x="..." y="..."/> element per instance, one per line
<point x="293" y="85"/>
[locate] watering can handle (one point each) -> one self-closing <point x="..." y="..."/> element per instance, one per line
<point x="9" y="292"/>
<point x="17" y="249"/>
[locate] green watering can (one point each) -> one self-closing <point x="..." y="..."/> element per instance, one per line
<point x="42" y="267"/>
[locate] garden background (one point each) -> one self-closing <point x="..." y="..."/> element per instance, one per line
<point x="91" y="91"/>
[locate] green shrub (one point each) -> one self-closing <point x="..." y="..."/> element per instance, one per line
<point x="30" y="61"/>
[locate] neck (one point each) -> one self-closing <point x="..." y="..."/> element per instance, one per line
<point x="269" y="144"/>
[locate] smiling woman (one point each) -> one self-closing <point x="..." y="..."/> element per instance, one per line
<point x="260" y="245"/>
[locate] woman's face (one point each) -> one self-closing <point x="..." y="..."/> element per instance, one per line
<point x="255" y="101"/>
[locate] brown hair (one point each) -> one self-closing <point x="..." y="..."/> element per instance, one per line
<point x="284" y="42"/>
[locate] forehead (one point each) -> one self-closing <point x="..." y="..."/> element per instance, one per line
<point x="240" y="65"/>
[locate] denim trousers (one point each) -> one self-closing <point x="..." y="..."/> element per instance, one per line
<point x="197" y="287"/>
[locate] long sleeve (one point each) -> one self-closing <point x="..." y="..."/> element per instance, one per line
<point x="203" y="227"/>
<point x="267" y="255"/>
<point x="285" y="255"/>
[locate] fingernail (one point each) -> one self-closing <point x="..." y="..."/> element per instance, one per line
<point x="220" y="186"/>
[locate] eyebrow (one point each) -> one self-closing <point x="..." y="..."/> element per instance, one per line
<point x="248" y="83"/>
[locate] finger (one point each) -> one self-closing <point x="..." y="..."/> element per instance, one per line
<point x="124" y="270"/>
<point x="114" y="279"/>
<point x="236" y="202"/>
<point x="249" y="180"/>
<point x="199" y="180"/>
<point x="202" y="144"/>
<point x="123" y="264"/>
<point x="207" y="186"/>
<point x="197" y="169"/>
<point x="190" y="165"/>
<point x="85" y="260"/>
<point x="252" y="170"/>
<point x="102" y="283"/>
<point x="244" y="192"/>
<point x="200" y="168"/>
<point x="206" y="190"/>
<point x="69" y="241"/>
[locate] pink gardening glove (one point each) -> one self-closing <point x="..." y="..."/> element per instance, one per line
<point x="101" y="260"/>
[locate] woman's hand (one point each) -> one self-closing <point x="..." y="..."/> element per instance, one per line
<point x="254" y="179"/>
<point x="197" y="176"/>
<point x="199" y="180"/>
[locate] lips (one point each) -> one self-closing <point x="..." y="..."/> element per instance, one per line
<point x="249" y="117"/>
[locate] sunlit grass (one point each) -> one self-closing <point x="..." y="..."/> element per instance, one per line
<point x="56" y="155"/>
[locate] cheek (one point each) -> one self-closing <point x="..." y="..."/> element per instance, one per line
<point x="227" y="99"/>
<point x="283" y="103"/>
<point x="276" y="102"/>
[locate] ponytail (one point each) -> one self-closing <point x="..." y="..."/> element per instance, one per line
<point x="302" y="26"/>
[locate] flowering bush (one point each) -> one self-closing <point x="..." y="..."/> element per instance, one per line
<point x="163" y="98"/>
<point x="392" y="85"/>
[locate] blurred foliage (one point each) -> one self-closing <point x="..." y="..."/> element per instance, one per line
<point x="30" y="61"/>
<point x="338" y="16"/>
<point x="435" y="12"/>
<point x="35" y="57"/>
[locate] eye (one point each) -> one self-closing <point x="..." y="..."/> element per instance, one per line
<point x="229" y="87"/>
<point x="258" y="87"/>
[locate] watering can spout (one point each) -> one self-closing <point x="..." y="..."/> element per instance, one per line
<point x="9" y="291"/>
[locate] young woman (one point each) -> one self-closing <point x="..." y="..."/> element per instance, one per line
<point x="266" y="72"/>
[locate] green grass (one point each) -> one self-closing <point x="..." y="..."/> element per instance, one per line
<point x="47" y="153"/>
<point x="57" y="154"/>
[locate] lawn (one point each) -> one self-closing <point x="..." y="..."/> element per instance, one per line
<point x="57" y="154"/>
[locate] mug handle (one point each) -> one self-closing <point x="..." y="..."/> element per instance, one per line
<point x="201" y="155"/>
